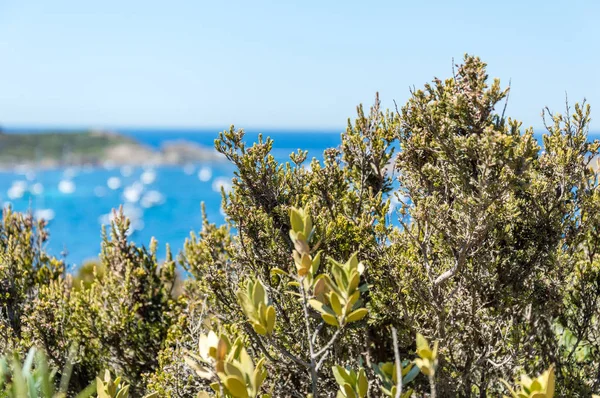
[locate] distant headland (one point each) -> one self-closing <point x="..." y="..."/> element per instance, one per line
<point x="51" y="149"/>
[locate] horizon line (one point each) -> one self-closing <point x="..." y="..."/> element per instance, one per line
<point x="22" y="128"/>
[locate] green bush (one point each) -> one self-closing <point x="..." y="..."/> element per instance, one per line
<point x="331" y="277"/>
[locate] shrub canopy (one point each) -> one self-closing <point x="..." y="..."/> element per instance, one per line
<point x="437" y="250"/>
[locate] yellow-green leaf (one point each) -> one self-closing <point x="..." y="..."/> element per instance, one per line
<point x="270" y="319"/>
<point x="424" y="365"/>
<point x="308" y="225"/>
<point x="316" y="262"/>
<point x="348" y="391"/>
<point x="258" y="293"/>
<point x="260" y="329"/>
<point x="341" y="375"/>
<point x="357" y="315"/>
<point x="363" y="384"/>
<point x="317" y="305"/>
<point x="233" y="370"/>
<point x="278" y="271"/>
<point x="422" y="344"/>
<point x="296" y="220"/>
<point x="336" y="306"/>
<point x="236" y="387"/>
<point x="330" y="319"/>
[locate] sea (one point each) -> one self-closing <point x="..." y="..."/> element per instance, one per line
<point x="162" y="202"/>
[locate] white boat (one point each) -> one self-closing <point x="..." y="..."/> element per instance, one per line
<point x="37" y="189"/>
<point x="152" y="198"/>
<point x="46" y="214"/>
<point x="114" y="183"/>
<point x="205" y="174"/>
<point x="66" y="186"/>
<point x="148" y="177"/>
<point x="133" y="193"/>
<point x="222" y="183"/>
<point x="17" y="190"/>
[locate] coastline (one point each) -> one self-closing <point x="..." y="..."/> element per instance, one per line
<point x="95" y="149"/>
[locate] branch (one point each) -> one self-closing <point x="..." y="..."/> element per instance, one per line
<point x="322" y="360"/>
<point x="253" y="335"/>
<point x="313" y="371"/>
<point x="330" y="343"/>
<point x="506" y="102"/>
<point x="449" y="273"/>
<point x="289" y="355"/>
<point x="317" y="330"/>
<point x="398" y="364"/>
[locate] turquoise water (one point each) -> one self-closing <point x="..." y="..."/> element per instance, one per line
<point x="163" y="202"/>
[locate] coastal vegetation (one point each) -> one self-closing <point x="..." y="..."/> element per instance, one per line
<point x="454" y="266"/>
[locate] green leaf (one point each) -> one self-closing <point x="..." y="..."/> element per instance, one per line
<point x="123" y="392"/>
<point x="330" y="319"/>
<point x="216" y="386"/>
<point x="308" y="226"/>
<point x="354" y="280"/>
<point x="236" y="387"/>
<point x="357" y="315"/>
<point x="247" y="305"/>
<point x="363" y="288"/>
<point x="316" y="263"/>
<point x="278" y="271"/>
<point x="232" y="370"/>
<point x="352" y="261"/>
<point x="296" y="220"/>
<point x="422" y="343"/>
<point x="348" y="391"/>
<point x="270" y="319"/>
<point x="100" y="388"/>
<point x="258" y="293"/>
<point x="340" y="277"/>
<point x="260" y="329"/>
<point x="317" y="305"/>
<point x="363" y="383"/>
<point x="341" y="375"/>
<point x="258" y="376"/>
<point x="336" y="306"/>
<point x="411" y="375"/>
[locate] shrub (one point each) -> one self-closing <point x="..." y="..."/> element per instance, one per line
<point x="118" y="321"/>
<point x="331" y="276"/>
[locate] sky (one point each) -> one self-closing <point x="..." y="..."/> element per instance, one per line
<point x="280" y="64"/>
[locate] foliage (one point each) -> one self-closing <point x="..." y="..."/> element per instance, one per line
<point x="118" y="321"/>
<point x="542" y="386"/>
<point x="352" y="384"/>
<point x="34" y="378"/>
<point x="331" y="276"/>
<point x="106" y="387"/>
<point x="230" y="364"/>
<point x="25" y="269"/>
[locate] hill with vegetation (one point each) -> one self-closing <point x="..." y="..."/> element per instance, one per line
<point x="59" y="148"/>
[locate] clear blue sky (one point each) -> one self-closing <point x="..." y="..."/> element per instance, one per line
<point x="274" y="64"/>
